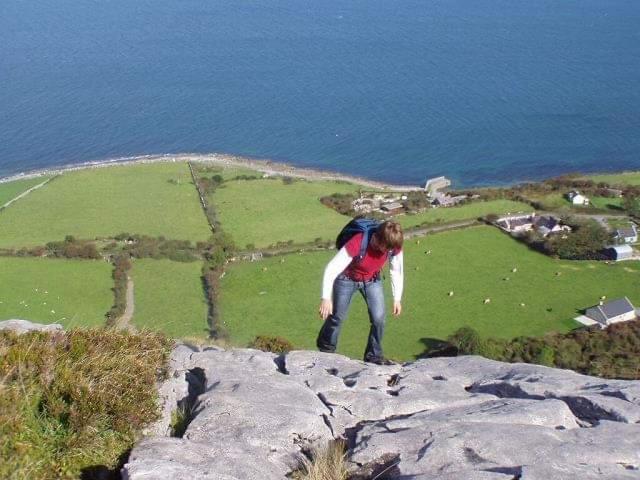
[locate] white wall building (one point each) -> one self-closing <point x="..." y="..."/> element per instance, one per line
<point x="577" y="198"/>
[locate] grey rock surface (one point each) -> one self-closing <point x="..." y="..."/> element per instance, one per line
<point x="24" y="326"/>
<point x="254" y="414"/>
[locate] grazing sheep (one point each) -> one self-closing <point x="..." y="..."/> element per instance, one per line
<point x="506" y="279"/>
<point x="53" y="311"/>
<point x="417" y="268"/>
<point x="428" y="252"/>
<point x="487" y="300"/>
<point x="514" y="269"/>
<point x="451" y="293"/>
<point x="558" y="274"/>
<point x="523" y="305"/>
<point x="282" y="260"/>
<point x="603" y="297"/>
<point x="417" y="242"/>
<point x="264" y="269"/>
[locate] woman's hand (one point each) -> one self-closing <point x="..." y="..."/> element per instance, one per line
<point x="325" y="309"/>
<point x="397" y="308"/>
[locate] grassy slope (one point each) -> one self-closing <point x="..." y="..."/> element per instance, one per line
<point x="625" y="178"/>
<point x="263" y="212"/>
<point x="464" y="212"/>
<point x="105" y="202"/>
<point x="557" y="201"/>
<point x="169" y="298"/>
<point x="11" y="190"/>
<point x="473" y="263"/>
<point x="79" y="292"/>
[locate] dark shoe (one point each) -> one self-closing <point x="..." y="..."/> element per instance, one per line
<point x="324" y="349"/>
<point x="380" y="361"/>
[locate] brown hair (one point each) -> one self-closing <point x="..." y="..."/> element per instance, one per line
<point x="390" y="235"/>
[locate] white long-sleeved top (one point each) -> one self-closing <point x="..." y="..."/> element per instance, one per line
<point x="342" y="260"/>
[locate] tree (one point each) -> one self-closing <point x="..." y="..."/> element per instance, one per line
<point x="631" y="204"/>
<point x="584" y="243"/>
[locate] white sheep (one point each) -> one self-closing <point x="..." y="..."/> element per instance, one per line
<point x="514" y="269"/>
<point x="487" y="300"/>
<point x="451" y="293"/>
<point x="523" y="305"/>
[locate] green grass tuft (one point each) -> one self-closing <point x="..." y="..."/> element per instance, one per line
<point x="74" y="400"/>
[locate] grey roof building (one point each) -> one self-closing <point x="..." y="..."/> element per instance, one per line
<point x="627" y="234"/>
<point x="619" y="310"/>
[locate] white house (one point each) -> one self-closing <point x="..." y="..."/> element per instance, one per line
<point x="545" y="225"/>
<point x="577" y="198"/>
<point x="627" y="234"/>
<point x="620" y="310"/>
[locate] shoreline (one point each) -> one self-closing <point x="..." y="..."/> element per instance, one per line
<point x="269" y="167"/>
<point x="266" y="166"/>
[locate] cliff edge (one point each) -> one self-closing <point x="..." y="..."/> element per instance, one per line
<point x="253" y="413"/>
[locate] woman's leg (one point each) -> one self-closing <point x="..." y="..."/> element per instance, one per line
<point x="343" y="290"/>
<point x="374" y="296"/>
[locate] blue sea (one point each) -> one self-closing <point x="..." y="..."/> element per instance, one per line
<point x="483" y="91"/>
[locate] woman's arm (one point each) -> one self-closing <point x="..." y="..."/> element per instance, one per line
<point x="335" y="267"/>
<point x="396" y="272"/>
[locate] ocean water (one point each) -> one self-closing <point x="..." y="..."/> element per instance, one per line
<point x="483" y="91"/>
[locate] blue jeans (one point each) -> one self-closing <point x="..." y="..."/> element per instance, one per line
<point x="343" y="290"/>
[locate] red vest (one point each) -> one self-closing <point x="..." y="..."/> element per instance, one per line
<point x="368" y="267"/>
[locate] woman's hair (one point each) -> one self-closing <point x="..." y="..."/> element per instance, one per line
<point x="389" y="233"/>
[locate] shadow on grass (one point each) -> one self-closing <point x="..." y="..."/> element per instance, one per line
<point x="102" y="472"/>
<point x="434" y="347"/>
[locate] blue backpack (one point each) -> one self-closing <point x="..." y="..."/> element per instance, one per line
<point x="366" y="226"/>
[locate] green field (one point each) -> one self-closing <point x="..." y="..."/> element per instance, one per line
<point x="153" y="199"/>
<point x="624" y="178"/>
<point x="275" y="297"/>
<point x="69" y="292"/>
<point x="607" y="203"/>
<point x="169" y="297"/>
<point x="10" y="190"/>
<point x="557" y="201"/>
<point x="263" y="212"/>
<point x="463" y="212"/>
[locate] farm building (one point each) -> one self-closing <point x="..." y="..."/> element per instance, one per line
<point x="432" y="185"/>
<point x="442" y="200"/>
<point x="577" y="198"/>
<point x="627" y="234"/>
<point x="516" y="223"/>
<point x="545" y="225"/>
<point x="614" y="192"/>
<point x="619" y="252"/>
<point x="620" y="310"/>
<point x="392" y="208"/>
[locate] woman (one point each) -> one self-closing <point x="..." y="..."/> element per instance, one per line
<point x="347" y="273"/>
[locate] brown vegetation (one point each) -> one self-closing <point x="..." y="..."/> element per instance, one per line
<point x="72" y="403"/>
